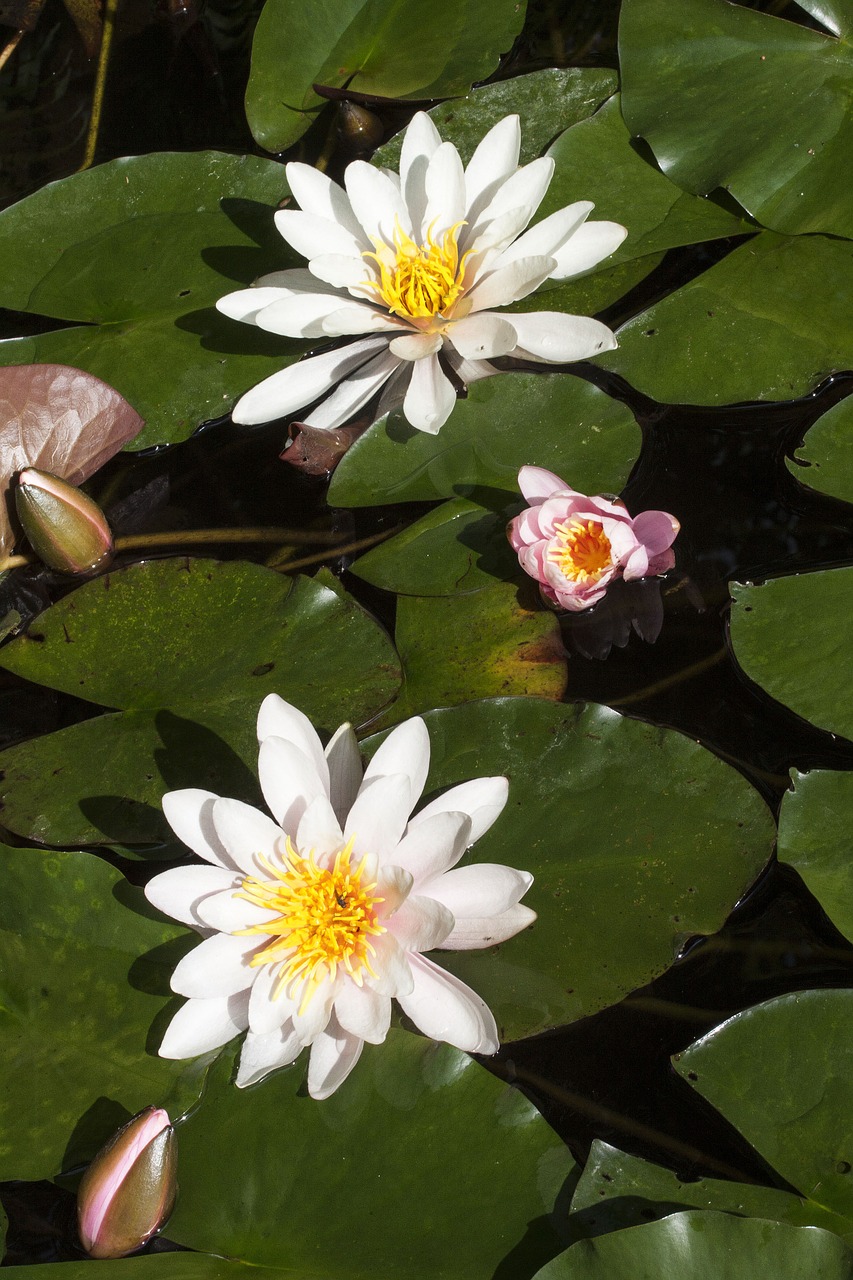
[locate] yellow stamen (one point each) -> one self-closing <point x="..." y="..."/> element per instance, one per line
<point x="326" y="918"/>
<point x="424" y="281"/>
<point x="583" y="551"/>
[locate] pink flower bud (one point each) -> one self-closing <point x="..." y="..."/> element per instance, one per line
<point x="129" y="1188"/>
<point x="66" y="529"/>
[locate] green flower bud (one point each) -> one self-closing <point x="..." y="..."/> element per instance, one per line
<point x="67" y="530"/>
<point x="128" y="1191"/>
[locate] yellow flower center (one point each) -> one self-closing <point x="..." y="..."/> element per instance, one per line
<point x="583" y="550"/>
<point x="423" y="281"/>
<point x="325" y="918"/>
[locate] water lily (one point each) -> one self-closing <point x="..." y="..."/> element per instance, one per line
<point x="575" y="546"/>
<point x="414" y="265"/>
<point x="316" y="919"/>
<point x="129" y="1188"/>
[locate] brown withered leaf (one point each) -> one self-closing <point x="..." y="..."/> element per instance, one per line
<point x="59" y="420"/>
<point x="317" y="452"/>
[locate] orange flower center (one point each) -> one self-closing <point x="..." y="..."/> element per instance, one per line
<point x="582" y="551"/>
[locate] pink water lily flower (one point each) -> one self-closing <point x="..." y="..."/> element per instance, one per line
<point x="316" y="918"/>
<point x="575" y="546"/>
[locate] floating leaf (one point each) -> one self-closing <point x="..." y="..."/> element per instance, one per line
<point x="515" y="419"/>
<point x="814" y="838"/>
<point x="828" y="452"/>
<point x="60" y="420"/>
<point x="732" y="98"/>
<point x="416" y="1133"/>
<point x="137" y="252"/>
<point x="188" y="649"/>
<point x="380" y="47"/>
<point x="695" y="1245"/>
<point x="793" y="637"/>
<point x="754" y="327"/>
<point x="782" y="1073"/>
<point x="155" y="1266"/>
<point x="85" y="967"/>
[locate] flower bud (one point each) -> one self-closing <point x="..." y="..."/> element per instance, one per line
<point x="66" y="529"/>
<point x="129" y="1189"/>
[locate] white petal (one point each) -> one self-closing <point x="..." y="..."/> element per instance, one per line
<point x="342" y="272"/>
<point x="510" y="283"/>
<point x="297" y="385"/>
<point x="469" y="371"/>
<point x="262" y="1054"/>
<point x="590" y="244"/>
<point x="414" y="346"/>
<point x="219" y="966"/>
<point x="353" y="394"/>
<point x="289" y="781"/>
<point x="405" y="750"/>
<point x="363" y="1012"/>
<point x="202" y="1025"/>
<point x="312" y="236"/>
<point x="446" y="1009"/>
<point x="393" y="885"/>
<point x="484" y="889"/>
<point x="299" y="316"/>
<point x="482" y="336"/>
<point x="558" y="338"/>
<point x="472" y="933"/>
<point x="178" y="892"/>
<point x="550" y="234"/>
<point x="524" y="190"/>
<point x="391" y="963"/>
<point x="319" y="831"/>
<point x="293" y="280"/>
<point x="318" y="195"/>
<point x="190" y="815"/>
<point x="379" y="814"/>
<point x="430" y="397"/>
<point x="333" y="1055"/>
<point x="280" y="719"/>
<point x="359" y="317"/>
<point x="246" y="303"/>
<point x="482" y="799"/>
<point x="494" y="161"/>
<point x="376" y="201"/>
<point x="228" y="913"/>
<point x="435" y="845"/>
<point x="269" y="1013"/>
<point x="421" y="924"/>
<point x="445" y="191"/>
<point x="345" y="770"/>
<point x="309" y="1021"/>
<point x="420" y="142"/>
<point x="246" y="832"/>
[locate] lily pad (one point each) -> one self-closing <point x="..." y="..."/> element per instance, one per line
<point x="828" y="453"/>
<point x="753" y="327"/>
<point x="458" y="648"/>
<point x="543" y="419"/>
<point x="177" y="232"/>
<point x="418" y="1130"/>
<point x="728" y="97"/>
<point x="706" y="1246"/>
<point x="187" y="649"/>
<point x="156" y="1266"/>
<point x="684" y="837"/>
<point x="814" y="838"/>
<point x="801" y="1044"/>
<point x="793" y="637"/>
<point x="85" y="968"/>
<point x="618" y="1190"/>
<point x="380" y="47"/>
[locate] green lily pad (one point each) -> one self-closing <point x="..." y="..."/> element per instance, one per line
<point x="407" y="1144"/>
<point x="828" y="452"/>
<point x="380" y="47"/>
<point x="753" y="327"/>
<point x="549" y="420"/>
<point x="458" y="648"/>
<point x="187" y="649"/>
<point x="684" y="837"/>
<point x="156" y="1266"/>
<point x="618" y="1190"/>
<point x="731" y="98"/>
<point x="814" y="838"/>
<point x="801" y="1043"/>
<point x="793" y="636"/>
<point x="137" y="252"/>
<point x="706" y="1246"/>
<point x="85" y="967"/>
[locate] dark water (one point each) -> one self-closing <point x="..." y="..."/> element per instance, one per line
<point x="744" y="517"/>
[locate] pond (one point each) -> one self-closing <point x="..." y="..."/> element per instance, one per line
<point x="652" y="1075"/>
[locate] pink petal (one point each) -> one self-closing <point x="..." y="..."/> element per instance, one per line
<point x="537" y="484"/>
<point x="657" y="530"/>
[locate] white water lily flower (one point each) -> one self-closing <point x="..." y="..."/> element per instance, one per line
<point x="418" y="261"/>
<point x="316" y="920"/>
